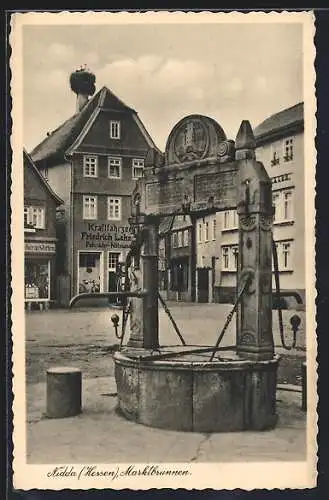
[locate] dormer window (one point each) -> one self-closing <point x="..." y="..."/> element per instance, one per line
<point x="288" y="150"/>
<point x="115" y="130"/>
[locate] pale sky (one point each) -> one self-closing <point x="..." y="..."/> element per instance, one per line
<point x="229" y="72"/>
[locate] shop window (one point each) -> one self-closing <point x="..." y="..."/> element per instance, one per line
<point x="115" y="130"/>
<point x="114" y="168"/>
<point x="90" y="164"/>
<point x="37" y="279"/>
<point x="89" y="207"/>
<point x="87" y="260"/>
<point x="138" y="168"/>
<point x="114" y="208"/>
<point x="34" y="216"/>
<point x="288" y="150"/>
<point x="89" y="272"/>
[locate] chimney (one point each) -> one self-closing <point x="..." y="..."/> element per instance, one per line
<point x="82" y="83"/>
<point x="82" y="99"/>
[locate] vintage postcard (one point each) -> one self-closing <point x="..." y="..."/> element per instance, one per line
<point x="163" y="250"/>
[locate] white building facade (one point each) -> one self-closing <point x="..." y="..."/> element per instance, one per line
<point x="280" y="147"/>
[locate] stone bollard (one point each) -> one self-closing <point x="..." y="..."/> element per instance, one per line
<point x="64" y="386"/>
<point x="304" y="387"/>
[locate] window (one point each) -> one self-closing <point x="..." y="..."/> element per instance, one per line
<point x="185" y="238"/>
<point x="275" y="155"/>
<point x="138" y="168"/>
<point x="275" y="202"/>
<point x="214" y="229"/>
<point x="235" y="256"/>
<point x="174" y="240"/>
<point x="44" y="172"/>
<point x="114" y="168"/>
<point x="179" y="239"/>
<point x="90" y="164"/>
<point x="87" y="260"/>
<point x="288" y="150"/>
<point x="113" y="208"/>
<point x="287" y="205"/>
<point x="230" y="256"/>
<point x="230" y="220"/>
<point x="90" y="207"/>
<point x="226" y="219"/>
<point x="37" y="279"/>
<point x="34" y="216"/>
<point x="113" y="260"/>
<point x="284" y="251"/>
<point x="225" y="257"/>
<point x="206" y="231"/>
<point x="114" y="130"/>
<point x="200" y="233"/>
<point x="283" y="203"/>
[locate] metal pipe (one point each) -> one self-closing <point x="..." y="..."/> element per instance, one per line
<point x="102" y="295"/>
<point x="288" y="293"/>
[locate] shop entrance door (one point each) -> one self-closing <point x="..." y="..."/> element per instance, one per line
<point x="89" y="276"/>
<point x="112" y="273"/>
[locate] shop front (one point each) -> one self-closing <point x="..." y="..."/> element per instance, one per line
<point x="39" y="273"/>
<point x="100" y="251"/>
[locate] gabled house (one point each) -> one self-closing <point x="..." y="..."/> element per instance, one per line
<point x="93" y="161"/>
<point x="40" y="205"/>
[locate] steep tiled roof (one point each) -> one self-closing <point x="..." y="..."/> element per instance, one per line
<point x="54" y="146"/>
<point x="28" y="161"/>
<point x="280" y="121"/>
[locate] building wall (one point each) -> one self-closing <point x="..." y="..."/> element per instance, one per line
<point x="59" y="179"/>
<point x="36" y="194"/>
<point x="40" y="243"/>
<point x="98" y="138"/>
<point x="287" y="177"/>
<point x="102" y="235"/>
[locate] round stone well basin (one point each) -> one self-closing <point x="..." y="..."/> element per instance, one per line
<point x="189" y="393"/>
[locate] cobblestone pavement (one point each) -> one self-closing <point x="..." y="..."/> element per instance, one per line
<point x="100" y="435"/>
<point x="84" y="337"/>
